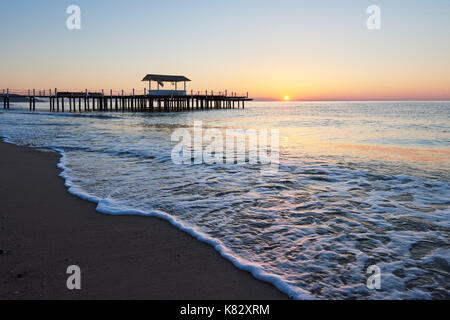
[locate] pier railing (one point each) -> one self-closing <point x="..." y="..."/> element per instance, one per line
<point x="45" y="93"/>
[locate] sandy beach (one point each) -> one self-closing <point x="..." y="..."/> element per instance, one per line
<point x="44" y="229"/>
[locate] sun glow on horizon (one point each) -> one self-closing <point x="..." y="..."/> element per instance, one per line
<point x="286" y="98"/>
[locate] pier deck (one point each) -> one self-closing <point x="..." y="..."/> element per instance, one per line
<point x="98" y="101"/>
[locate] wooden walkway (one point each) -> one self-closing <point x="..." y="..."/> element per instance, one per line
<point x="94" y="101"/>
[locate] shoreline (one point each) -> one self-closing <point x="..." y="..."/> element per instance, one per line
<point x="121" y="257"/>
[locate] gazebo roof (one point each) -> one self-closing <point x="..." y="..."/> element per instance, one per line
<point x="164" y="78"/>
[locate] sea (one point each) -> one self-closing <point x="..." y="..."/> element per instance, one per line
<point x="357" y="208"/>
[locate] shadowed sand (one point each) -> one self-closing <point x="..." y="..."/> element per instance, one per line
<point x="44" y="229"/>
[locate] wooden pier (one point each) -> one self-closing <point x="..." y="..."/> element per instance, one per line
<point x="74" y="101"/>
<point x="147" y="101"/>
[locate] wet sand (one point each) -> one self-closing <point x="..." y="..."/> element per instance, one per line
<point x="44" y="229"/>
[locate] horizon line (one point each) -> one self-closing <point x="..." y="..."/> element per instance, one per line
<point x="350" y="100"/>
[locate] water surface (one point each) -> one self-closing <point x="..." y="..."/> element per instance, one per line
<point x="359" y="183"/>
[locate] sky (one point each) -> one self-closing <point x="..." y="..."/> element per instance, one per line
<point x="307" y="50"/>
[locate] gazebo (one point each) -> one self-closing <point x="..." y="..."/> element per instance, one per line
<point x="160" y="79"/>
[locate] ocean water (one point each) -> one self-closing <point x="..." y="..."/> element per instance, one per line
<point x="359" y="184"/>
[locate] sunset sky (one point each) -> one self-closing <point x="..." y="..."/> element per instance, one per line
<point x="307" y="50"/>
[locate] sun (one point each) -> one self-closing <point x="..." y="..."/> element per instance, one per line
<point x="286" y="98"/>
